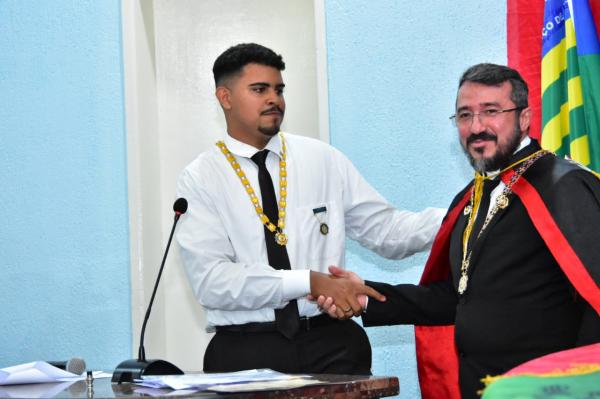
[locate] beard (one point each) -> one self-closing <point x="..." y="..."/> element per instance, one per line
<point x="269" y="130"/>
<point x="502" y="155"/>
<point x="274" y="128"/>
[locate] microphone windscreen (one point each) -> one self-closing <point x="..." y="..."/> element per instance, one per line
<point x="76" y="365"/>
<point x="180" y="206"/>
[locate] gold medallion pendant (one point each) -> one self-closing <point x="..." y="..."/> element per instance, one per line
<point x="281" y="238"/>
<point x="464" y="278"/>
<point x="462" y="284"/>
<point x="502" y="201"/>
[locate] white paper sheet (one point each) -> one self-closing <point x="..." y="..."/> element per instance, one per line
<point x="34" y="373"/>
<point x="297" y="382"/>
<point x="161" y="392"/>
<point x="47" y="390"/>
<point x="204" y="381"/>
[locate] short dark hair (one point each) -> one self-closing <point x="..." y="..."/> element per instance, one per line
<point x="493" y="75"/>
<point x="235" y="58"/>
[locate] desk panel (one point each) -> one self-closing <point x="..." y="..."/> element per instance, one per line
<point x="334" y="386"/>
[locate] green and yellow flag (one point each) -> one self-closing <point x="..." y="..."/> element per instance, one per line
<point x="571" y="82"/>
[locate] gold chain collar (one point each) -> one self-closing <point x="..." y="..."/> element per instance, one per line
<point x="500" y="203"/>
<point x="280" y="236"/>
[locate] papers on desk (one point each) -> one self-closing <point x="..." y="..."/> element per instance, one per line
<point x="156" y="392"/>
<point x="47" y="390"/>
<point x="247" y="380"/>
<point x="295" y="382"/>
<point x="35" y="372"/>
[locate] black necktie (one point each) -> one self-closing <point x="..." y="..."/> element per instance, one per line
<point x="287" y="318"/>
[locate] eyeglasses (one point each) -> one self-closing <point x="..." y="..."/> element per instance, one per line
<point x="465" y="118"/>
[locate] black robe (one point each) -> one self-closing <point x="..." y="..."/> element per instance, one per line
<point x="519" y="303"/>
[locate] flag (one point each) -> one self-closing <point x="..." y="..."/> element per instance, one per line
<point x="571" y="81"/>
<point x="524" y="46"/>
<point x="572" y="373"/>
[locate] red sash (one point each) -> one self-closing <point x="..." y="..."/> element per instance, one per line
<point x="556" y="242"/>
<point x="437" y="360"/>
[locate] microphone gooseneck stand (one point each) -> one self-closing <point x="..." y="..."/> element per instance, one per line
<point x="132" y="369"/>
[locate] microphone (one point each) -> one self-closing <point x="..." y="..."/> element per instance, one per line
<point x="180" y="207"/>
<point x="75" y="365"/>
<point x="132" y="369"/>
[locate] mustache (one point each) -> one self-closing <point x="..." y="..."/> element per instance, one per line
<point x="481" y="136"/>
<point x="272" y="109"/>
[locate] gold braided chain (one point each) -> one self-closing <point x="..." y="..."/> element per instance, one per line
<point x="500" y="203"/>
<point x="280" y="236"/>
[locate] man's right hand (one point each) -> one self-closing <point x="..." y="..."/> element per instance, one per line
<point x="341" y="294"/>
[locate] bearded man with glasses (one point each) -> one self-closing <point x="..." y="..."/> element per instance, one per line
<point x="515" y="268"/>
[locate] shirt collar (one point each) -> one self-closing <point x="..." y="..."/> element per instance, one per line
<point x="247" y="151"/>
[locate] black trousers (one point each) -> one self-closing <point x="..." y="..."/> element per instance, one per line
<point x="338" y="347"/>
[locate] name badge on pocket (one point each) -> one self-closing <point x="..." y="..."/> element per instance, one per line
<point x="321" y="214"/>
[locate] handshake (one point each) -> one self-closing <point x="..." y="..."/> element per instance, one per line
<point x="342" y="294"/>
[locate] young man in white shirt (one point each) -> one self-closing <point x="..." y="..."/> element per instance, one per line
<point x="268" y="213"/>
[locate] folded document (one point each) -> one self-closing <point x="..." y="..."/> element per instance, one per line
<point x="35" y="372"/>
<point x="202" y="382"/>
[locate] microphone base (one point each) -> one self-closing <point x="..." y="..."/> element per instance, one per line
<point x="133" y="369"/>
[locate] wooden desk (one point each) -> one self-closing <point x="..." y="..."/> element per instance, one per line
<point x="336" y="386"/>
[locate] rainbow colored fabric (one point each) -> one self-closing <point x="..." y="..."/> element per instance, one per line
<point x="571" y="81"/>
<point x="574" y="373"/>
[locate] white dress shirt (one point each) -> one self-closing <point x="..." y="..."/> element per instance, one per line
<point x="222" y="240"/>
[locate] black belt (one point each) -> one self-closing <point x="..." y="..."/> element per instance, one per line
<point x="306" y="323"/>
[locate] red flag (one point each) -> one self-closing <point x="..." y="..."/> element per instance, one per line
<point x="595" y="7"/>
<point x="524" y="37"/>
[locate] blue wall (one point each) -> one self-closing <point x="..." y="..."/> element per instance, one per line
<point x="393" y="72"/>
<point x="393" y="69"/>
<point x="63" y="204"/>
